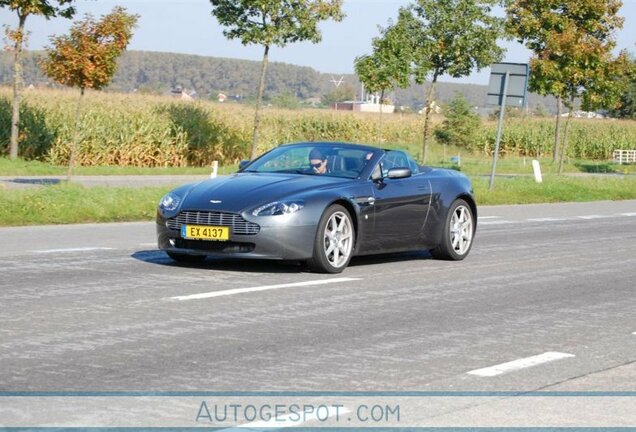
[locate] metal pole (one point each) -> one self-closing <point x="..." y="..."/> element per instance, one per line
<point x="502" y="110"/>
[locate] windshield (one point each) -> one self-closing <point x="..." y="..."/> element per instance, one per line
<point x="327" y="160"/>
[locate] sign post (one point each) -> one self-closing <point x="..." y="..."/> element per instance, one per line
<point x="508" y="85"/>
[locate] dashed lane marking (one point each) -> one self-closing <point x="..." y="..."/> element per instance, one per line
<point x="546" y="219"/>
<point x="262" y="288"/>
<point x="590" y="217"/>
<point x="518" y="364"/>
<point x="498" y="222"/>
<point x="80" y="249"/>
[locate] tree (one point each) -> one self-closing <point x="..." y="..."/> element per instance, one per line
<point x="86" y="58"/>
<point x="572" y="42"/>
<point x="24" y="8"/>
<point x="287" y="100"/>
<point x="461" y="124"/>
<point x="273" y="22"/>
<point x="626" y="107"/>
<point x="385" y="68"/>
<point x="339" y="94"/>
<point x="451" y="37"/>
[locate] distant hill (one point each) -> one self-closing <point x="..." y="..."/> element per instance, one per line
<point x="154" y="72"/>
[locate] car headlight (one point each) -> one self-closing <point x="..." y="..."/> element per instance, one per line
<point x="279" y="208"/>
<point x="170" y="202"/>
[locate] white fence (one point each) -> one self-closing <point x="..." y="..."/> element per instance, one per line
<point x="624" y="156"/>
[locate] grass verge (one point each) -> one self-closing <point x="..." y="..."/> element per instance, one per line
<point x="524" y="190"/>
<point x="22" y="167"/>
<point x="65" y="204"/>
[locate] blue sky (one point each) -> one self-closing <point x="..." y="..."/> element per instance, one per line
<point x="186" y="26"/>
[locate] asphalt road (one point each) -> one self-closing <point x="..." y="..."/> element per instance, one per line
<point x="97" y="307"/>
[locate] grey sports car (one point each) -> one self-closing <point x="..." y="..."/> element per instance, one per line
<point x="322" y="203"/>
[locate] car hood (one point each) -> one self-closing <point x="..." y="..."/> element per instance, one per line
<point x="243" y="191"/>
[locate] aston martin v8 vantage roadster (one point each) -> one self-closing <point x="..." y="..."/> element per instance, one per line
<point x="322" y="203"/>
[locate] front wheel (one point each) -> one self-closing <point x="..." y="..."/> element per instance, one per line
<point x="458" y="234"/>
<point x="335" y="237"/>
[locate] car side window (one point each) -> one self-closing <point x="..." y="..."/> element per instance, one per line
<point x="394" y="159"/>
<point x="415" y="169"/>
<point x="377" y="172"/>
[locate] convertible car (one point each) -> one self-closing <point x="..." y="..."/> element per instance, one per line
<point x="322" y="203"/>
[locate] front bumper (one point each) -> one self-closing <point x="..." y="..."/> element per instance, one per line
<point x="279" y="238"/>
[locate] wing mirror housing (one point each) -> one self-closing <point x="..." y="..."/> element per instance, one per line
<point x="243" y="164"/>
<point x="399" y="173"/>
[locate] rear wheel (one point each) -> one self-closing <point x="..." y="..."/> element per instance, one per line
<point x="184" y="258"/>
<point x="335" y="237"/>
<point x="459" y="229"/>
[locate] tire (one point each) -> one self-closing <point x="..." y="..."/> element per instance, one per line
<point x="186" y="259"/>
<point x="334" y="242"/>
<point x="459" y="232"/>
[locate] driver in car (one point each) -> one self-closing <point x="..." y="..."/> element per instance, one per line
<point x="318" y="162"/>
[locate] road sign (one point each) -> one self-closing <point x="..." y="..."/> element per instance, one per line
<point x="508" y="87"/>
<point x="517" y="93"/>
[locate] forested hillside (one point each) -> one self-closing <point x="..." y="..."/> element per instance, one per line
<point x="158" y="73"/>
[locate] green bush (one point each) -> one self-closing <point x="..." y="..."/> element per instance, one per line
<point x="461" y="125"/>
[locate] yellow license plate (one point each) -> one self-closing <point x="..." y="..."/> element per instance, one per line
<point x="199" y="232"/>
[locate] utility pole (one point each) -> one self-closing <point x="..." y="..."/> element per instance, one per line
<point x="337" y="83"/>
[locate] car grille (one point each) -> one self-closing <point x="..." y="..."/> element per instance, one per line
<point x="233" y="220"/>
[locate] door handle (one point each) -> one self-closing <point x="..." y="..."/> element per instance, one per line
<point x="365" y="200"/>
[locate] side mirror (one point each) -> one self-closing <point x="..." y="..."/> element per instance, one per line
<point x="243" y="164"/>
<point x="399" y="173"/>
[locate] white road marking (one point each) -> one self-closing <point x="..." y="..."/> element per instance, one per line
<point x="321" y="414"/>
<point x="549" y="219"/>
<point x="523" y="363"/>
<point x="82" y="249"/>
<point x="262" y="288"/>
<point x="498" y="222"/>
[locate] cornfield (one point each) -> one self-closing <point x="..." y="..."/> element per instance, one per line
<point x="144" y="130"/>
<point x="588" y="139"/>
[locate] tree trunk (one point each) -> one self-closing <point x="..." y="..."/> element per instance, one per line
<point x="564" y="147"/>
<point x="73" y="149"/>
<point x="259" y="99"/>
<point x="380" y="123"/>
<point x="427" y="115"/>
<point x="557" y="133"/>
<point x="17" y="82"/>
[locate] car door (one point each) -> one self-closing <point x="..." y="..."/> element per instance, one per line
<point x="400" y="206"/>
